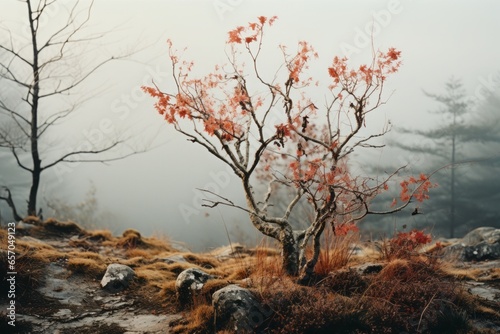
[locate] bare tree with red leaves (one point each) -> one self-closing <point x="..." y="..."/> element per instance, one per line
<point x="269" y="131"/>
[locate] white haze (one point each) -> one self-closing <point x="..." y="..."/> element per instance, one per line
<point x="438" y="39"/>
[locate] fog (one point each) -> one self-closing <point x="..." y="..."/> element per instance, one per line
<point x="156" y="191"/>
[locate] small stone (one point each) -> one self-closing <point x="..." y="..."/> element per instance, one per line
<point x="189" y="282"/>
<point x="117" y="277"/>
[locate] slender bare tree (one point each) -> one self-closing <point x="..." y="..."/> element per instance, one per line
<point x="44" y="64"/>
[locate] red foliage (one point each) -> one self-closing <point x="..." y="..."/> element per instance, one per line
<point x="344" y="229"/>
<point x="405" y="244"/>
<point x="415" y="188"/>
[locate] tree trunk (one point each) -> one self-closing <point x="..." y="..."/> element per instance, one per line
<point x="307" y="270"/>
<point x="11" y="204"/>
<point x="282" y="233"/>
<point x="37" y="170"/>
<point x="289" y="251"/>
<point x="35" y="182"/>
<point x="452" y="181"/>
<point x="452" y="204"/>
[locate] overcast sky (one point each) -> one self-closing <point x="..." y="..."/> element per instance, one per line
<point x="438" y="39"/>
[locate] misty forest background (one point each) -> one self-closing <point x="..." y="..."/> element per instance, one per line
<point x="458" y="128"/>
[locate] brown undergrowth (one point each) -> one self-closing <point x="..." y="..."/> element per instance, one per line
<point x="408" y="295"/>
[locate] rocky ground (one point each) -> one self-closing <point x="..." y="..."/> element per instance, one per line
<point x="60" y="268"/>
<point x="60" y="298"/>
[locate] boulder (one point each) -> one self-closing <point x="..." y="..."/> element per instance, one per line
<point x="230" y="252"/>
<point x="482" y="251"/>
<point x="117" y="277"/>
<point x="480" y="244"/>
<point x="237" y="310"/>
<point x="480" y="234"/>
<point x="189" y="283"/>
<point x="24" y="226"/>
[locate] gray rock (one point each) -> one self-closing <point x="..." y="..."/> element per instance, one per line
<point x="485" y="291"/>
<point x="480" y="244"/>
<point x="176" y="258"/>
<point x="36" y="241"/>
<point x="117" y="277"/>
<point x="229" y="252"/>
<point x="189" y="283"/>
<point x="482" y="251"/>
<point x="454" y="252"/>
<point x="238" y="310"/>
<point x="480" y="234"/>
<point x="23" y="226"/>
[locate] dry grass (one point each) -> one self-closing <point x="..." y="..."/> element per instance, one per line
<point x="235" y="269"/>
<point x="198" y="321"/>
<point x="413" y="294"/>
<point x="301" y="309"/>
<point x="203" y="261"/>
<point x="56" y="226"/>
<point x="406" y="296"/>
<point x="37" y="251"/>
<point x="86" y="263"/>
<point x="155" y="274"/>
<point x="461" y="272"/>
<point x="100" y="235"/>
<point x="31" y="258"/>
<point x="87" y="267"/>
<point x="336" y="253"/>
<point x="138" y="253"/>
<point x="131" y="240"/>
<point x="167" y="290"/>
<point x="34" y="220"/>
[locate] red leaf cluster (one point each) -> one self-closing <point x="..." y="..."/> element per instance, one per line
<point x="383" y="64"/>
<point x="411" y="241"/>
<point x="415" y="188"/>
<point x="251" y="33"/>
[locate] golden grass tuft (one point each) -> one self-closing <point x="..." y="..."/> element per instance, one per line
<point x="54" y="225"/>
<point x="155" y="274"/>
<point x="205" y="295"/>
<point x="203" y="261"/>
<point x="130" y="239"/>
<point x="34" y="220"/>
<point x="136" y="252"/>
<point x="37" y="251"/>
<point x="267" y="266"/>
<point x="86" y="263"/>
<point x="81" y="243"/>
<point x="417" y="268"/>
<point x="87" y="266"/>
<point x="336" y="253"/>
<point x="135" y="261"/>
<point x="100" y="235"/>
<point x="235" y="269"/>
<point x="131" y="232"/>
<point x="168" y="291"/>
<point x="85" y="255"/>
